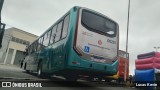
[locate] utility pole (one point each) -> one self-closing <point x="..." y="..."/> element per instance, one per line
<point x="125" y="72"/>
<point x="2" y="26"/>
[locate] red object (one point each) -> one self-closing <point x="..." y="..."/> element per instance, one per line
<point x="121" y="67"/>
<point x="147" y="60"/>
<point x="157" y="54"/>
<point x="99" y="42"/>
<point x="74" y="62"/>
<point x="149" y="55"/>
<point x="148" y="66"/>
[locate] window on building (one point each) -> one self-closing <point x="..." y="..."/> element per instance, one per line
<point x="21" y="41"/>
<point x="65" y="26"/>
<point x="28" y="43"/>
<point x="25" y="42"/>
<point x="13" y="39"/>
<point x="58" y="32"/>
<point x="17" y="40"/>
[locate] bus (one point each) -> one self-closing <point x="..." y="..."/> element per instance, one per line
<point x="119" y="77"/>
<point x="82" y="42"/>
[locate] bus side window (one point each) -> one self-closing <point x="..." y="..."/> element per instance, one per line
<point x="65" y="26"/>
<point x="35" y="46"/>
<point x="39" y="44"/>
<point x="53" y="34"/>
<point x="58" y="32"/>
<point x="31" y="48"/>
<point x="42" y="46"/>
<point x="49" y="35"/>
<point x="28" y="50"/>
<point x="44" y="40"/>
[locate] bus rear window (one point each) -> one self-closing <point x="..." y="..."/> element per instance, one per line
<point x="98" y="23"/>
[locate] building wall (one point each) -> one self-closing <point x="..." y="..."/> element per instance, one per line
<point x="14" y="44"/>
<point x="23" y="35"/>
<point x="5" y="42"/>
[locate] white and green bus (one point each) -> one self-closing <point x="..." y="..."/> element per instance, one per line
<point x="82" y="42"/>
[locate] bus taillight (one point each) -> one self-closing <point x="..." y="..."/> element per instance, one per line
<point x="74" y="62"/>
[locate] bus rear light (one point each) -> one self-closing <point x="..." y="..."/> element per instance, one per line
<point x="74" y="62"/>
<point x="100" y="33"/>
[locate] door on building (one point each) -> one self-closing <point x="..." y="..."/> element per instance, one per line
<point x="9" y="56"/>
<point x="18" y="57"/>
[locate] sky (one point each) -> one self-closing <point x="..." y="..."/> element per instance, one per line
<point x="35" y="16"/>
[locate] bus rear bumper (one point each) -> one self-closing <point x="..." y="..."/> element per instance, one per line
<point x="85" y="72"/>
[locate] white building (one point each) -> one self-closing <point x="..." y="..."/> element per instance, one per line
<point x="13" y="45"/>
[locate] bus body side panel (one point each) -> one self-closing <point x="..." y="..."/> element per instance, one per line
<point x="40" y="58"/>
<point x="45" y="59"/>
<point x="58" y="54"/>
<point x="70" y="57"/>
<point x="63" y="59"/>
<point x="54" y="57"/>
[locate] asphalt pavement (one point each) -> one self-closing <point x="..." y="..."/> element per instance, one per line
<point x="15" y="73"/>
